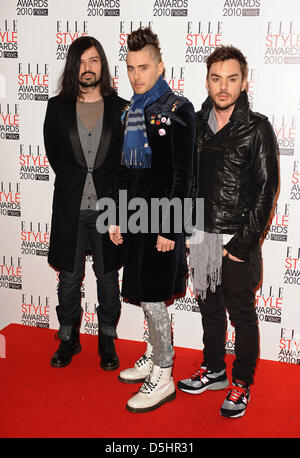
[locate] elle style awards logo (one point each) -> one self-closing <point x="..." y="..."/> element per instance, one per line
<point x="284" y="126"/>
<point x="172" y="8"/>
<point x="66" y="33"/>
<point x="269" y="303"/>
<point x="32" y="7"/>
<point x="289" y="346"/>
<point x="33" y="163"/>
<point x="248" y="8"/>
<point x="35" y="311"/>
<point x="11" y="272"/>
<point x="292" y="266"/>
<point x="175" y="77"/>
<point x="282" y="43"/>
<point x="103" y="8"/>
<point x="201" y="39"/>
<point x="10" y="199"/>
<point x="278" y="225"/>
<point x="89" y="323"/>
<point x="35" y="238"/>
<point x="33" y="82"/>
<point x="188" y="303"/>
<point x="8" y="38"/>
<point x="9" y="121"/>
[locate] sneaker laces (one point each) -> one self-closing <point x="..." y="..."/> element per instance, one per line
<point x="199" y="373"/>
<point x="235" y="392"/>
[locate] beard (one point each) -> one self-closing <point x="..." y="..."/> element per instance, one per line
<point x="92" y="82"/>
<point x="227" y="104"/>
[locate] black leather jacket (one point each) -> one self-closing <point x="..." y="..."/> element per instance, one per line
<point x="237" y="175"/>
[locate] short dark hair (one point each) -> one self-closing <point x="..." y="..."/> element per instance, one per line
<point x="223" y="53"/>
<point x="69" y="82"/>
<point x="143" y="37"/>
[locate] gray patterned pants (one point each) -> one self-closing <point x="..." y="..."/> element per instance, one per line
<point x="159" y="333"/>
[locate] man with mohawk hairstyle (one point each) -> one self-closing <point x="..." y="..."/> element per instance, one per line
<point x="157" y="159"/>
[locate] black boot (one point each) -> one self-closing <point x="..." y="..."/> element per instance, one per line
<point x="69" y="344"/>
<point x="109" y="360"/>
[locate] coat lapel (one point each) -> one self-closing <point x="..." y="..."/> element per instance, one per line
<point x="74" y="135"/>
<point x="105" y="134"/>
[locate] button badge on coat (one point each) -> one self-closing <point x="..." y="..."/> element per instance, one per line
<point x="162" y="132"/>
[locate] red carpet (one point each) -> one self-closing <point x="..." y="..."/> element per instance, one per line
<point x="83" y="401"/>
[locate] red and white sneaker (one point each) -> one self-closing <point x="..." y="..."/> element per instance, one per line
<point x="204" y="379"/>
<point x="236" y="401"/>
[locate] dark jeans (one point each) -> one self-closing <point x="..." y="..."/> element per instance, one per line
<point x="237" y="295"/>
<point x="69" y="288"/>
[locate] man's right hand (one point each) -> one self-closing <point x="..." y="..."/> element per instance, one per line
<point x="115" y="234"/>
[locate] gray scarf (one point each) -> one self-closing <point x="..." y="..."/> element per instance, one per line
<point x="206" y="255"/>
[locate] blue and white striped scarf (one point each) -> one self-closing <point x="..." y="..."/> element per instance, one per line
<point x="136" y="151"/>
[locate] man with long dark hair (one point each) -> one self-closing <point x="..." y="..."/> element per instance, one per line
<point x="82" y="134"/>
<point x="157" y="163"/>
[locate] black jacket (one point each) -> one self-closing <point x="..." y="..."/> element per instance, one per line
<point x="237" y="175"/>
<point x="150" y="275"/>
<point x="64" y="151"/>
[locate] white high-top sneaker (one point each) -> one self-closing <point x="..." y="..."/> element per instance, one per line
<point x="157" y="389"/>
<point x="141" y="368"/>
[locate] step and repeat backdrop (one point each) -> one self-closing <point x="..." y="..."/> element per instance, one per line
<point x="34" y="38"/>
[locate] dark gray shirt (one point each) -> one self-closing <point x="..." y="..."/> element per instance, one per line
<point x="89" y="138"/>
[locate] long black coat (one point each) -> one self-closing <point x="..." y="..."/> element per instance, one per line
<point x="150" y="275"/>
<point x="64" y="151"/>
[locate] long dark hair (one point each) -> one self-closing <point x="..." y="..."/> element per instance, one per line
<point x="69" y="81"/>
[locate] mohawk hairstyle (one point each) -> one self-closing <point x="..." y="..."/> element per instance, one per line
<point x="143" y="37"/>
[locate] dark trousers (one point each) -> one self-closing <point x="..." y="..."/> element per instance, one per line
<point x="237" y="295"/>
<point x="69" y="288"/>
